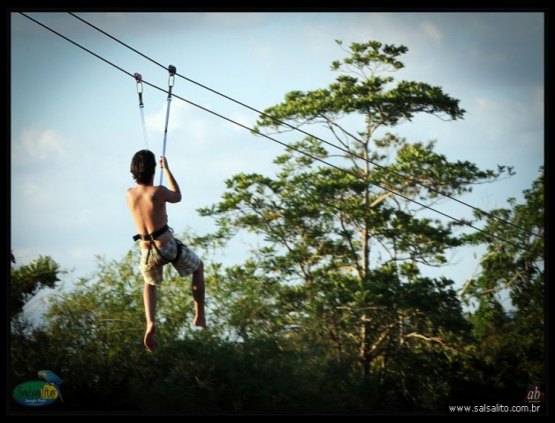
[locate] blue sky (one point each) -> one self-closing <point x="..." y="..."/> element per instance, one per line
<point x="75" y="120"/>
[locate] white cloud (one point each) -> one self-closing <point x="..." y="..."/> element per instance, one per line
<point x="78" y="252"/>
<point x="431" y="31"/>
<point x="35" y="308"/>
<point x="35" y="194"/>
<point x="155" y="122"/>
<point x="263" y="52"/>
<point x="85" y="215"/>
<point x="509" y="121"/>
<point x="483" y="56"/>
<point x="30" y="190"/>
<point x="488" y="113"/>
<point x="42" y="143"/>
<point x="244" y="119"/>
<point x="196" y="129"/>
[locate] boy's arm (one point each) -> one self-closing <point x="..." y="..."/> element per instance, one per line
<point x="173" y="194"/>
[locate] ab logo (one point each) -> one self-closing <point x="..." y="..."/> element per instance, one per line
<point x="534" y="395"/>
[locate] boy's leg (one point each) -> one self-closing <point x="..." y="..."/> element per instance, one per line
<point x="149" y="296"/>
<point x="198" y="296"/>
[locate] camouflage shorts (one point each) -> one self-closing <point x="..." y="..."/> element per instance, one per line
<point x="152" y="265"/>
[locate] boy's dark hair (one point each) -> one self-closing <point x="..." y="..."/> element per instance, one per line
<point x="142" y="166"/>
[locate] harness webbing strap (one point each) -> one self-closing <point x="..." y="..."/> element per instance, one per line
<point x="139" y="79"/>
<point x="153" y="235"/>
<point x="177" y="255"/>
<point x="171" y="78"/>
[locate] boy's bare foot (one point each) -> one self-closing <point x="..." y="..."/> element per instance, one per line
<point x="150" y="342"/>
<point x="200" y="321"/>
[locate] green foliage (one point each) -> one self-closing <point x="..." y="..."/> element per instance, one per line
<point x="27" y="280"/>
<point x="506" y="270"/>
<point x="93" y="339"/>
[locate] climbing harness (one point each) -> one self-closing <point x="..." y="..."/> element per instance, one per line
<point x="151" y="237"/>
<point x="171" y="78"/>
<point x="139" y="80"/>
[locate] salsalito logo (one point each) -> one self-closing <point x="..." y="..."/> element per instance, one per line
<point x="38" y="393"/>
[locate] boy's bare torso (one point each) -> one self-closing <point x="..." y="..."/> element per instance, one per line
<point x="149" y="211"/>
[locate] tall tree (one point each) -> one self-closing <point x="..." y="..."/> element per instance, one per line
<point x="347" y="253"/>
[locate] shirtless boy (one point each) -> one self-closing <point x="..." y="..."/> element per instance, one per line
<point x="147" y="204"/>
